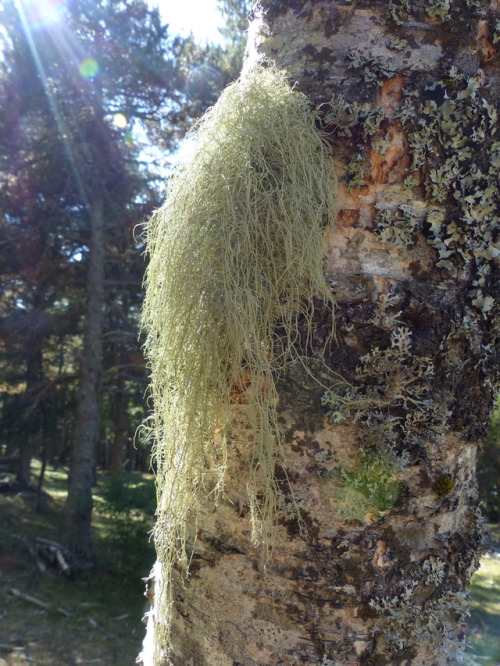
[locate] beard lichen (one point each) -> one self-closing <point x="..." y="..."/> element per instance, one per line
<point x="236" y="258"/>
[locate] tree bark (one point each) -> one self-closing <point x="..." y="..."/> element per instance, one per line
<point x="119" y="442"/>
<point x="378" y="576"/>
<point x="32" y="419"/>
<point x="75" y="527"/>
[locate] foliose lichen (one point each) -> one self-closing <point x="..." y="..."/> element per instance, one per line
<point x="391" y="403"/>
<point x="404" y="617"/>
<point x="398" y="227"/>
<point x="400" y="11"/>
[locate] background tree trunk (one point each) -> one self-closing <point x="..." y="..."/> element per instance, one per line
<point x="382" y="456"/>
<point x="75" y="527"/>
<point x="32" y="425"/>
<point x="119" y="443"/>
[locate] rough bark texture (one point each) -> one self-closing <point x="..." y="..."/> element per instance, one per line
<point x="377" y="578"/>
<point x="75" y="528"/>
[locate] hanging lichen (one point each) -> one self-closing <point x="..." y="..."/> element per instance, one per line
<point x="235" y="252"/>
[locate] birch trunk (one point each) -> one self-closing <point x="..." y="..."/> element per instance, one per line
<point x="413" y="263"/>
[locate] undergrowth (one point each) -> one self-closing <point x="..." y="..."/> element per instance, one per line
<point x="236" y="250"/>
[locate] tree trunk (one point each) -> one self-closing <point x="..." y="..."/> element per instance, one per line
<point x="31" y="427"/>
<point x="32" y="419"/>
<point x="381" y="455"/>
<point x="119" y="442"/>
<point x="75" y="528"/>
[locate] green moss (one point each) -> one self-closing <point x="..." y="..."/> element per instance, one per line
<point x="444" y="486"/>
<point x="371" y="487"/>
<point x="236" y="250"/>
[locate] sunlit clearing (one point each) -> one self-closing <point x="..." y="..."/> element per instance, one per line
<point x="40" y="13"/>
<point x="88" y="68"/>
<point x="120" y="121"/>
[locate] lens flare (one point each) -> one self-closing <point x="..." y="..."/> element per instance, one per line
<point x="40" y="13"/>
<point x="89" y="68"/>
<point x="205" y="83"/>
<point x="120" y="121"/>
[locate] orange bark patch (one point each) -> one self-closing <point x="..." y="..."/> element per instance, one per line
<point x="382" y="284"/>
<point x="367" y="215"/>
<point x="241" y="391"/>
<point x="392" y="166"/>
<point x="347" y="218"/>
<point x="349" y="200"/>
<point x="484" y="39"/>
<point x="389" y="94"/>
<point x="238" y="392"/>
<point x="380" y="559"/>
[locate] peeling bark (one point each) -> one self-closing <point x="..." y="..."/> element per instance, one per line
<point x="410" y="377"/>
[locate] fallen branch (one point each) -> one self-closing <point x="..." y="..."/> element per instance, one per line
<point x="42" y="567"/>
<point x="37" y="602"/>
<point x="13" y="648"/>
<point x="55" y="553"/>
<point x="27" y="597"/>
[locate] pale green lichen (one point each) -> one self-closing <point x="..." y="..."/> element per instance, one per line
<point x="435" y="569"/>
<point x="236" y="250"/>
<point x="404" y="618"/>
<point x="455" y="143"/>
<point x="356" y="173"/>
<point x="398" y="44"/>
<point x="362" y="489"/>
<point x="397" y="227"/>
<point x="439" y="9"/>
<point x="391" y="400"/>
<point x="339" y="117"/>
<point x="380" y="146"/>
<point x="373" y="70"/>
<point x="409" y="182"/>
<point x="400" y="11"/>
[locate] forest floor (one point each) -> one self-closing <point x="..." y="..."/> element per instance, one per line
<point x="91" y="620"/>
<point x="484" y="621"/>
<point x="97" y="619"/>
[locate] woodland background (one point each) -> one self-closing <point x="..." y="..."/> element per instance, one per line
<point x="100" y="107"/>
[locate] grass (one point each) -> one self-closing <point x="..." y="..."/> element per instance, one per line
<point x="92" y="620"/>
<point x="484" y="621"/>
<point x="97" y="619"/>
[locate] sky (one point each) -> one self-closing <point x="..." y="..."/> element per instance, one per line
<point x="201" y="17"/>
